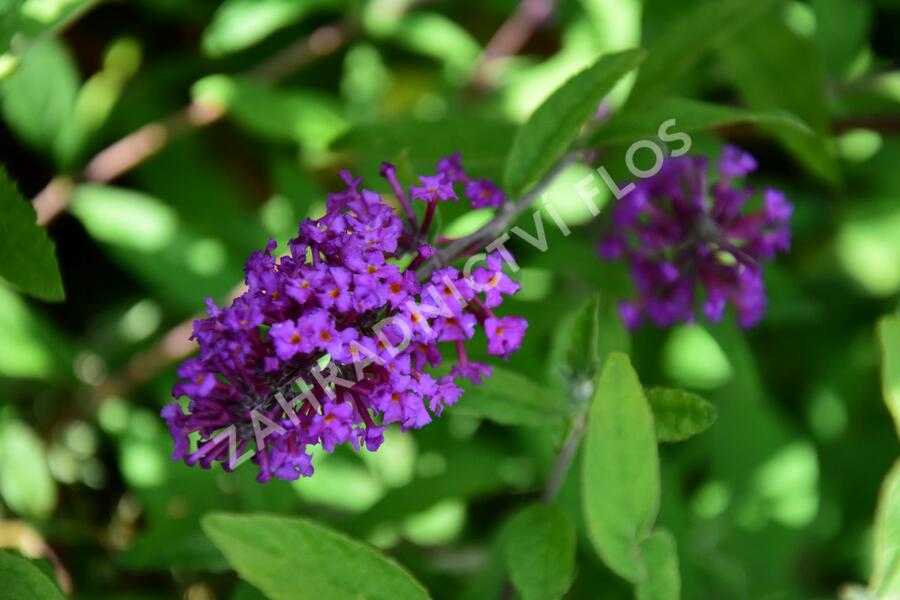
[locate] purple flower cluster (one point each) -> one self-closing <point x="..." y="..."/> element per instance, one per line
<point x="677" y="232"/>
<point x="331" y="341"/>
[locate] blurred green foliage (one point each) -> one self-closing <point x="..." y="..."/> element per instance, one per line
<point x="177" y="136"/>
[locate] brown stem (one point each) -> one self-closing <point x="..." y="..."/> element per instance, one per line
<point x="510" y="38"/>
<point x="127" y="153"/>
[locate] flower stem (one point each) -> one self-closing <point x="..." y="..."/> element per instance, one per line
<point x="565" y="457"/>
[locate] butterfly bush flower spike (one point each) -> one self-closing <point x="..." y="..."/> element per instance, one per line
<point x="333" y="341"/>
<point x="679" y="233"/>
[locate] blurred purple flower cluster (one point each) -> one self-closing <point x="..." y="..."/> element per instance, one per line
<point x="331" y="341"/>
<point x="678" y="233"/>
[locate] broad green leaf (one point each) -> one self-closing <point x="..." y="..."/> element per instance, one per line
<point x="885" y="582"/>
<point x="774" y="68"/>
<point x="689" y="116"/>
<point x="25" y="481"/>
<point x="555" y="125"/>
<point x="690" y="35"/>
<point x="889" y="335"/>
<point x="509" y="398"/>
<point x="39" y="97"/>
<point x="280" y="114"/>
<point x="540" y="552"/>
<point x="293" y="559"/>
<point x="660" y="554"/>
<point x="23" y="581"/>
<point x="679" y="415"/>
<point x="620" y="475"/>
<point x="27" y="255"/>
<point x="239" y="24"/>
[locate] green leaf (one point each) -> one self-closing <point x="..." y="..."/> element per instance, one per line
<point x="693" y="33"/>
<point x="24" y="22"/>
<point x="620" y="475"/>
<point x="25" y="481"/>
<point x="27" y="255"/>
<point x="889" y="335"/>
<point x="280" y="114"/>
<point x="663" y="578"/>
<point x="540" y="552"/>
<point x="680" y="415"/>
<point x="690" y="116"/>
<point x="436" y="36"/>
<point x="23" y="581"/>
<point x="774" y="68"/>
<point x="885" y="582"/>
<point x="39" y="97"/>
<point x="509" y="398"/>
<point x="239" y="24"/>
<point x="149" y="239"/>
<point x="555" y="125"/>
<point x="293" y="559"/>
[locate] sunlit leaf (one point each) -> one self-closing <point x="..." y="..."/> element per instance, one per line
<point x="39" y="96"/>
<point x="547" y="135"/>
<point x="239" y="24"/>
<point x="293" y="559"/>
<point x="620" y="476"/>
<point x="25" y="481"/>
<point x="540" y="552"/>
<point x="27" y="255"/>
<point x="312" y="118"/>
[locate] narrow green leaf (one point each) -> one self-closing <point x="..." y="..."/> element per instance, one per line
<point x="885" y="582"/>
<point x="889" y="335"/>
<point x="774" y="68"/>
<point x="291" y="115"/>
<point x="39" y="96"/>
<point x="23" y="581"/>
<point x="660" y="554"/>
<point x="509" y="398"/>
<point x="27" y="255"/>
<point x="555" y="125"/>
<point x="680" y="415"/>
<point x="582" y="342"/>
<point x="690" y="116"/>
<point x="620" y="476"/>
<point x="434" y="35"/>
<point x="26" y="484"/>
<point x="695" y="32"/>
<point x="293" y="559"/>
<point x="239" y="24"/>
<point x="540" y="552"/>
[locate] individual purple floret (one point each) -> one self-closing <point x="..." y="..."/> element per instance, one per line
<point x="333" y="340"/>
<point x="678" y="233"/>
